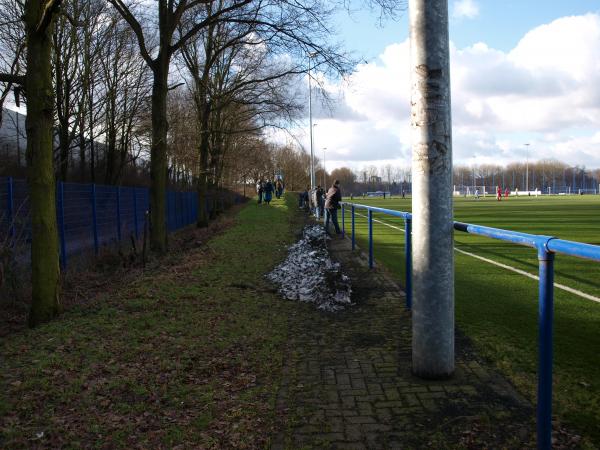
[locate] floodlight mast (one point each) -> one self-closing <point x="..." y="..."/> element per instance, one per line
<point x="527" y="168"/>
<point x="324" y="170"/>
<point x="311" y="55"/>
<point x="431" y="136"/>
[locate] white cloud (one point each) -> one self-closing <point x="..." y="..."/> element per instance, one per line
<point x="545" y="91"/>
<point x="468" y="9"/>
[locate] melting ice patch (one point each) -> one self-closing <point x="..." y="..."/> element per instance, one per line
<point x="308" y="274"/>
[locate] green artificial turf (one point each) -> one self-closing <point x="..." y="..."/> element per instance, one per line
<point x="497" y="308"/>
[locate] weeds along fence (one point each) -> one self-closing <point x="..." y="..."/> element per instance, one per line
<point x="545" y="246"/>
<point x="91" y="217"/>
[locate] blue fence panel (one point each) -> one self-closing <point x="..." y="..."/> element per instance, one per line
<point x="106" y="215"/>
<point x="142" y="205"/>
<point x="4" y="206"/>
<point x="91" y="216"/>
<point x="77" y="211"/>
<point x="21" y="222"/>
<point x="126" y="212"/>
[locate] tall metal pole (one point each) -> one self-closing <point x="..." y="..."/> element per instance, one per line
<point x="431" y="130"/>
<point x="324" y="170"/>
<point x="312" y="154"/>
<point x="527" y="168"/>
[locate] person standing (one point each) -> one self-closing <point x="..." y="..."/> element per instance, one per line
<point x="259" y="191"/>
<point x="498" y="193"/>
<point x="332" y="204"/>
<point x="321" y="201"/>
<point x="268" y="192"/>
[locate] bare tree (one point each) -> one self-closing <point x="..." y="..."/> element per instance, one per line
<point x="12" y="45"/>
<point x="169" y="40"/>
<point x="38" y="19"/>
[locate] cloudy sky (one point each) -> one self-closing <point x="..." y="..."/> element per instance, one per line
<point x="522" y="72"/>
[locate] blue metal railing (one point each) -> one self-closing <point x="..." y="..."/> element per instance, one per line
<point x="547" y="247"/>
<point x="407" y="241"/>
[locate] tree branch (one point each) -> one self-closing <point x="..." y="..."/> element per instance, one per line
<point x="10" y="78"/>
<point x="50" y="8"/>
<point x="136" y="27"/>
<point x="211" y="19"/>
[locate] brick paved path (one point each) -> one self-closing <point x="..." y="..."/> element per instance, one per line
<point x="348" y="383"/>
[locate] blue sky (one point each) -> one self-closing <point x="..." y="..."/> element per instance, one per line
<point x="522" y="72"/>
<point x="499" y="23"/>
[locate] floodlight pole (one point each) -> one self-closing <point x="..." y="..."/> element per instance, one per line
<point x="431" y="133"/>
<point x="311" y="55"/>
<point x="324" y="170"/>
<point x="527" y="168"/>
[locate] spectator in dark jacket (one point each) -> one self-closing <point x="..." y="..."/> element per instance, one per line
<point x="304" y="198"/>
<point x="332" y="204"/>
<point x="269" y="188"/>
<point x="321" y="201"/>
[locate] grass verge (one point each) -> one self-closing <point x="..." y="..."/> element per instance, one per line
<point x="187" y="355"/>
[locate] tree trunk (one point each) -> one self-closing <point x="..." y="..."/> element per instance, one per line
<point x="81" y="139"/>
<point x="202" y="181"/>
<point x="158" y="158"/>
<point x="111" y="140"/>
<point x="214" y="194"/>
<point x="90" y="111"/>
<point x="45" y="268"/>
<point x="433" y="263"/>
<point x="63" y="143"/>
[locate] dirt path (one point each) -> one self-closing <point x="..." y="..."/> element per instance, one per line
<point x="347" y="381"/>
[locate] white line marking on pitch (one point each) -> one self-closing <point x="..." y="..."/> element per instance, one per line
<point x="507" y="267"/>
<point x="379" y="221"/>
<point x="527" y="274"/>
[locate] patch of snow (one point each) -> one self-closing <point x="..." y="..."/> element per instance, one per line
<point x="309" y="275"/>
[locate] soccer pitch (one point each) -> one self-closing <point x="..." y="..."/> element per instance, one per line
<point x="496" y="304"/>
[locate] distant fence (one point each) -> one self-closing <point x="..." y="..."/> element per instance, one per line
<point x="92" y="216"/>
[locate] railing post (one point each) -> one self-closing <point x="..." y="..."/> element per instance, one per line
<point x="175" y="215"/>
<point x="61" y="224"/>
<point x="189" y="208"/>
<point x="343" y="221"/>
<point x="186" y="208"/>
<point x="169" y="208"/>
<point x="179" y="211"/>
<point x="370" y="216"/>
<point x="10" y="209"/>
<point x="546" y="313"/>
<point x="135" y="214"/>
<point x="119" y="213"/>
<point x="94" y="219"/>
<point x="408" y="260"/>
<point x="353" y="229"/>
